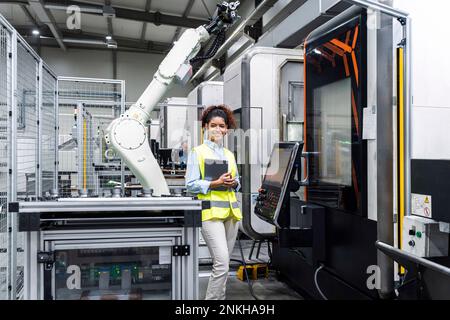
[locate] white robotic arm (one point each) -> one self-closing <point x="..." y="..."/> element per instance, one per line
<point x="127" y="135"/>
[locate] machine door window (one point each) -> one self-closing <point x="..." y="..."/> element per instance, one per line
<point x="129" y="273"/>
<point x="335" y="94"/>
<point x="335" y="135"/>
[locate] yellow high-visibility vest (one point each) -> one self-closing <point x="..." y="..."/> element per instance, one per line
<point x="222" y="203"/>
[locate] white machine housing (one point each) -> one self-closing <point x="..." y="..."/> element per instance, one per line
<point x="172" y="121"/>
<point x="253" y="81"/>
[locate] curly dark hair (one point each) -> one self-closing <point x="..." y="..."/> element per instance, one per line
<point x="222" y="111"/>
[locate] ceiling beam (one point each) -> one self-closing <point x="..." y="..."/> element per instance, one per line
<point x="148" y="5"/>
<point x="109" y="20"/>
<point x="161" y="47"/>
<point x="24" y="2"/>
<point x="51" y="43"/>
<point x="29" y="15"/>
<point x="206" y="9"/>
<point x="156" y="18"/>
<point x="185" y="14"/>
<point x="46" y="17"/>
<point x="97" y="40"/>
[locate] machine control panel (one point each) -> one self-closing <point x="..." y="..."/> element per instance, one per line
<point x="276" y="180"/>
<point x="422" y="237"/>
<point x="268" y="198"/>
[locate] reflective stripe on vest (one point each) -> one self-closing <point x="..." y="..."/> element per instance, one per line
<point x="222" y="202"/>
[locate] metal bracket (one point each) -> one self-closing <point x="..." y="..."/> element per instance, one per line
<point x="182" y="250"/>
<point x="402" y="21"/>
<point x="47" y="258"/>
<point x="402" y="43"/>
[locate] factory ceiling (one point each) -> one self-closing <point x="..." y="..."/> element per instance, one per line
<point x="132" y="25"/>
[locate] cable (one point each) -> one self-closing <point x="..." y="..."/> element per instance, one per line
<point x="317" y="284"/>
<point x="250" y="286"/>
<point x="218" y="41"/>
<point x="299" y="253"/>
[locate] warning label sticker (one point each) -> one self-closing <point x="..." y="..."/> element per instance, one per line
<point x="421" y="205"/>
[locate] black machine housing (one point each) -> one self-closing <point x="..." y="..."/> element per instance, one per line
<point x="330" y="228"/>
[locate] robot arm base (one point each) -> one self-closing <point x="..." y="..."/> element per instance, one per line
<point x="128" y="138"/>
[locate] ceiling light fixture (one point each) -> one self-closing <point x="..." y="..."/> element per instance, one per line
<point x="111" y="44"/>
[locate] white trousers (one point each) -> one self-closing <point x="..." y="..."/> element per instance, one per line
<point x="220" y="236"/>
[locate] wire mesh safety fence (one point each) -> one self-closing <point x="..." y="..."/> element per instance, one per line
<point x="48" y="123"/>
<point x="27" y="148"/>
<point x="5" y="102"/>
<point x="27" y="124"/>
<point x="84" y="168"/>
<point x="86" y="108"/>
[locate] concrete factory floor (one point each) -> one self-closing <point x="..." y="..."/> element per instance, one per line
<point x="264" y="289"/>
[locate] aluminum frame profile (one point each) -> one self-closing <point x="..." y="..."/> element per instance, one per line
<point x="11" y="87"/>
<point x="39" y="130"/>
<point x="111" y="204"/>
<point x="84" y="79"/>
<point x="21" y="46"/>
<point x="13" y="167"/>
<point x="13" y="40"/>
<point x="184" y="270"/>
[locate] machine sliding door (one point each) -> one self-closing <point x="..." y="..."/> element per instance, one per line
<point x="335" y="91"/>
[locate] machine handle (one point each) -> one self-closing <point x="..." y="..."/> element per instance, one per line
<point x="305" y="181"/>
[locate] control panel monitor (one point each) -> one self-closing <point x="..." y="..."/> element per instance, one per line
<point x="276" y="180"/>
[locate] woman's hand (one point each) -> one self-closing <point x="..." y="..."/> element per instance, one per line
<point x="230" y="182"/>
<point x="224" y="180"/>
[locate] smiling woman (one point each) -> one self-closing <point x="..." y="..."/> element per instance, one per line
<point x="212" y="175"/>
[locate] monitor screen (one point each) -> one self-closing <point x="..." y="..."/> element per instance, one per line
<point x="275" y="183"/>
<point x="278" y="165"/>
